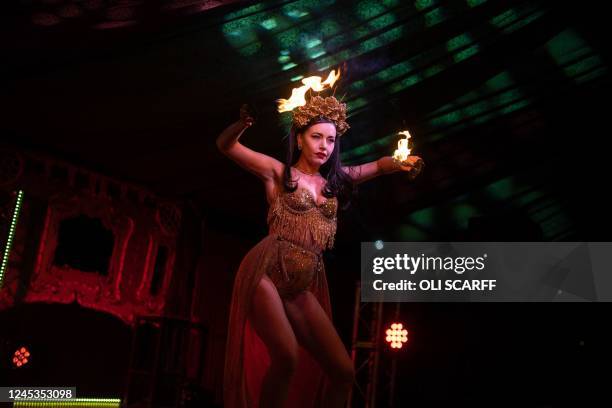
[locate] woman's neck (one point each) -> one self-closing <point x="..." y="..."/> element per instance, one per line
<point x="305" y="167"/>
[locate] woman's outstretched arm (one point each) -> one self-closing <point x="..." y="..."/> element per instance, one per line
<point x="263" y="166"/>
<point x="382" y="166"/>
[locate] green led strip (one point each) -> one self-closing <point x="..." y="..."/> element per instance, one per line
<point x="72" y="403"/>
<point x="11" y="235"/>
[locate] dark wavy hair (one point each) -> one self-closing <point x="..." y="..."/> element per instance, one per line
<point x="339" y="183"/>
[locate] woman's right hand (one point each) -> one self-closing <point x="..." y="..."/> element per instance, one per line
<point x="245" y="117"/>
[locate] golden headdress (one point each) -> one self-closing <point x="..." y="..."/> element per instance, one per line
<point x="328" y="107"/>
<point x="304" y="111"/>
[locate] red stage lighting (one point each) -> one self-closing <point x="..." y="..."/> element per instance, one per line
<point x="396" y="335"/>
<point x="21" y="357"/>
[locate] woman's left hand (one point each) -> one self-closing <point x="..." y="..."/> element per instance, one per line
<point x="413" y="165"/>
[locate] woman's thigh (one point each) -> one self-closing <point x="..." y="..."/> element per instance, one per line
<point x="316" y="333"/>
<point x="269" y="319"/>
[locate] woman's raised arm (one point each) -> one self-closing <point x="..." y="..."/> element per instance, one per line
<point x="384" y="165"/>
<point x="263" y="166"/>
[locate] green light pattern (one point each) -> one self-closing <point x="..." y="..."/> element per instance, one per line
<point x="423" y="217"/>
<point x="496" y="101"/>
<point x="355" y="104"/>
<point x="241" y="35"/>
<point x="329" y="28"/>
<point x="311" y="37"/>
<point x="501" y="84"/>
<point x="507" y="17"/>
<point x="585" y="77"/>
<point x="296" y="13"/>
<point x="499" y="97"/>
<point x="531" y="199"/>
<point x="580" y="67"/>
<point x="357" y="85"/>
<point x="313" y="43"/>
<point x="435" y="17"/>
<point x="475" y="3"/>
<point x="571" y="52"/>
<point x="566" y="47"/>
<point x="407" y="232"/>
<point x="269" y="24"/>
<point x="302" y="7"/>
<point x="11" y="235"/>
<point x="394" y="71"/>
<point x="423" y="4"/>
<point x="316" y="54"/>
<point x="377" y="24"/>
<point x="523" y="22"/>
<point x="461" y="46"/>
<point x="505" y="188"/>
<point x="368" y="9"/>
<point x="244" y="12"/>
<point x="540" y="208"/>
<point x="459" y="208"/>
<point x="241" y="28"/>
<point x="405" y="83"/>
<point x="463" y="211"/>
<point x="315" y="37"/>
<point x="285" y="120"/>
<point x="290" y="38"/>
<point x="516" y="18"/>
<point x="356" y="153"/>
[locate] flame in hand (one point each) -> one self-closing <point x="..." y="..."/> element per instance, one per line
<point x="298" y="95"/>
<point x="402" y="152"/>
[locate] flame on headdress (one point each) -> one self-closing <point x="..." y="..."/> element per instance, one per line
<point x="298" y="95"/>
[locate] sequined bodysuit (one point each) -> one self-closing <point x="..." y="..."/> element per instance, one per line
<point x="304" y="229"/>
<point x="299" y="230"/>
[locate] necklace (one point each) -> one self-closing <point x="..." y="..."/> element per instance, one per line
<point x="305" y="172"/>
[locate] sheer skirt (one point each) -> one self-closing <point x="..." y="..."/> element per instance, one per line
<point x="293" y="268"/>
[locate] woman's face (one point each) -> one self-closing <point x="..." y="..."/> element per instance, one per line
<point x="318" y="142"/>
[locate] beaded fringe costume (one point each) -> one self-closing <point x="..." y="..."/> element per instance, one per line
<point x="299" y="230"/>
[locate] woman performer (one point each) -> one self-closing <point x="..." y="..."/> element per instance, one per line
<point x="282" y="347"/>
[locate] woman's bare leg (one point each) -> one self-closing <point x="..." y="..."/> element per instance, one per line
<point x="268" y="317"/>
<point x="316" y="333"/>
